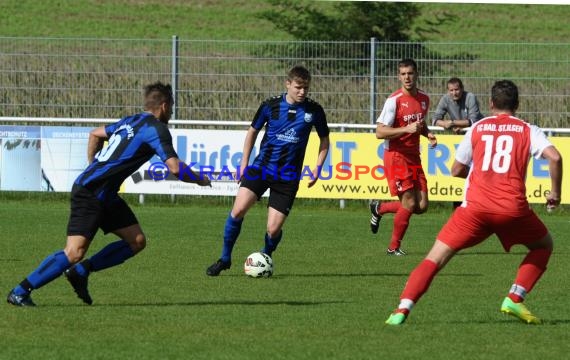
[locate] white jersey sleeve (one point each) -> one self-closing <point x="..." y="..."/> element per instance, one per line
<point x="464" y="152"/>
<point x="538" y="141"/>
<point x="388" y="114"/>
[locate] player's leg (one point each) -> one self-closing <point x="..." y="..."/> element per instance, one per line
<point x="421" y="192"/>
<point x="377" y="208"/>
<point x="402" y="217"/>
<point x="464" y="229"/>
<point x="83" y="223"/>
<point x="275" y="221"/>
<point x="119" y="219"/>
<point x="420" y="280"/>
<point x="251" y="189"/>
<point x="245" y="199"/>
<point x="50" y="269"/>
<point x="281" y="199"/>
<point x="522" y="231"/>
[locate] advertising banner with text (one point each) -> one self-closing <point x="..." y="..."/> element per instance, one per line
<point x="354" y="169"/>
<point x="55" y="155"/>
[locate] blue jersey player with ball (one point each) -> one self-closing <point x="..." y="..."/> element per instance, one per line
<point x="288" y="120"/>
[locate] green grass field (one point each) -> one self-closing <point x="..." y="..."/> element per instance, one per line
<point x="332" y="290"/>
<point x="239" y="20"/>
<point x="333" y="285"/>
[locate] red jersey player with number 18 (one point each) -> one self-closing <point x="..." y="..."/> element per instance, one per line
<point x="401" y="122"/>
<point x="494" y="156"/>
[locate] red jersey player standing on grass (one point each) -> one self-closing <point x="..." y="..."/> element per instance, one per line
<point x="494" y="156"/>
<point x="400" y="124"/>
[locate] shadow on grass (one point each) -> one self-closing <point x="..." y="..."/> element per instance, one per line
<point x="491" y="253"/>
<point x="365" y="275"/>
<point x="206" y="303"/>
<point x="508" y="321"/>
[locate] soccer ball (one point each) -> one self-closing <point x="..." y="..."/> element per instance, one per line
<point x="258" y="264"/>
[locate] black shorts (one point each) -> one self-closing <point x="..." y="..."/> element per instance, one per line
<point x="88" y="214"/>
<point x="281" y="192"/>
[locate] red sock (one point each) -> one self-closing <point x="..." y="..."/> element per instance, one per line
<point x="530" y="271"/>
<point x="401" y="222"/>
<point x="419" y="280"/>
<point x="388" y="207"/>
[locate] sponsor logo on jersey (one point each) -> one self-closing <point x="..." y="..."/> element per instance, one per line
<point x="290" y="136"/>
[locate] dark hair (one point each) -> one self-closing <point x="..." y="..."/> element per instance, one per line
<point x="505" y="95"/>
<point x="299" y="73"/>
<point x="408" y="62"/>
<point x="455" y="80"/>
<point x="157" y="93"/>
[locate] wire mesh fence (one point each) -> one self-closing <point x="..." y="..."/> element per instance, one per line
<point x="226" y="80"/>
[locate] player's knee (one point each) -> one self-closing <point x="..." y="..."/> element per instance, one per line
<point x="74" y="254"/>
<point x="138" y="243"/>
<point x="421" y="208"/>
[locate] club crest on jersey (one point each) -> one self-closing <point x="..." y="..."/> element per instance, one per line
<point x="424" y="106"/>
<point x="308" y="117"/>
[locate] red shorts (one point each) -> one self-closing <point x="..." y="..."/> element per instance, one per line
<point x="467" y="228"/>
<point x="404" y="172"/>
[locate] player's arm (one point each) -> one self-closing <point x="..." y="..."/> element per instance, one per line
<point x="460" y="170"/>
<point x="248" y="144"/>
<point x="323" y="152"/>
<point x="387" y="132"/>
<point x="428" y="134"/>
<point x="385" y="128"/>
<point x="95" y="143"/>
<point x="175" y="165"/>
<point x="555" y="168"/>
<point x="463" y="157"/>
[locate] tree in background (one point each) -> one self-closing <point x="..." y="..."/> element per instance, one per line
<point x="354" y="23"/>
<point x="343" y="21"/>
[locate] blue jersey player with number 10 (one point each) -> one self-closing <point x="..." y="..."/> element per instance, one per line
<point x="288" y="119"/>
<point x="95" y="204"/>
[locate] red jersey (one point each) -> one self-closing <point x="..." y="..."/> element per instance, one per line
<point x="400" y="110"/>
<point x="498" y="150"/>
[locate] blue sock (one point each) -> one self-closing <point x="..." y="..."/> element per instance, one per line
<point x="81" y="269"/>
<point x="51" y="268"/>
<point x="271" y="243"/>
<point x="231" y="233"/>
<point x="113" y="254"/>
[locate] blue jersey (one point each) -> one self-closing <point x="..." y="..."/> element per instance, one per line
<point x="288" y="127"/>
<point x="132" y="141"/>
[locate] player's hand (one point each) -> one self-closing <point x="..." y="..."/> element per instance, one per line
<point x="313" y="179"/>
<point x="204" y="181"/>
<point x="432" y="140"/>
<point x="414" y="127"/>
<point x="552" y="201"/>
<point x="236" y="176"/>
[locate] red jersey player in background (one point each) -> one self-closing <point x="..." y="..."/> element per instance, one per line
<point x="493" y="156"/>
<point x="400" y="124"/>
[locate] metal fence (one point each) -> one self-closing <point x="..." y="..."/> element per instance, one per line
<point x="226" y="80"/>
